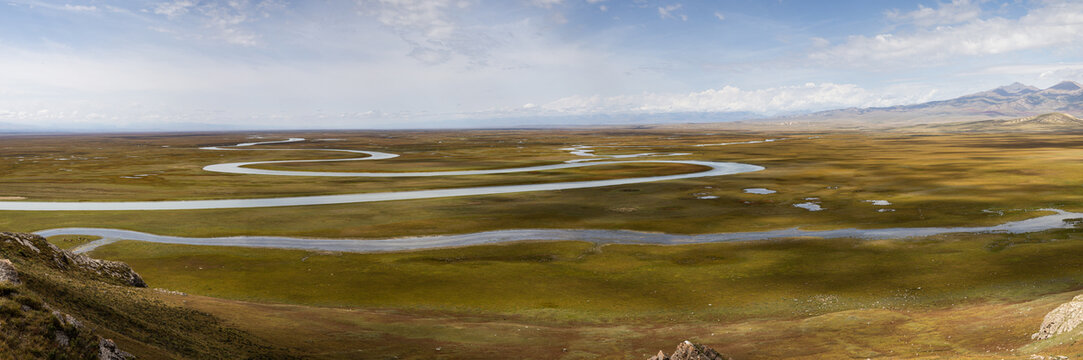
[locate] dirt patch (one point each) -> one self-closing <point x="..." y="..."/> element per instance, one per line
<point x="5" y="198"/>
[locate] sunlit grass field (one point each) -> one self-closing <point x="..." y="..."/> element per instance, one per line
<point x="947" y="296"/>
<point x="951" y="296"/>
<point x="931" y="180"/>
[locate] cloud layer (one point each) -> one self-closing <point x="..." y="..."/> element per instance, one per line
<point x="431" y="63"/>
<point x="957" y="30"/>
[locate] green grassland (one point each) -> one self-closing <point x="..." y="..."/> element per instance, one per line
<point x="934" y="296"/>
<point x="577" y="280"/>
<point x="942" y="180"/>
<point x="951" y="296"/>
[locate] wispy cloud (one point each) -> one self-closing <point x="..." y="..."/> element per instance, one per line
<point x="80" y="8"/>
<point x="670" y="12"/>
<point x="1057" y="24"/>
<point x="768" y="101"/>
<point x="429" y="27"/>
<point x="1047" y="72"/>
<point x="955" y="12"/>
<point x="173" y="9"/>
<point x="228" y="22"/>
<point x="546" y="3"/>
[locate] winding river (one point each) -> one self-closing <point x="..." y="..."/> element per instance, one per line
<point x="1047" y="222"/>
<point x="1056" y="220"/>
<point x="713" y="168"/>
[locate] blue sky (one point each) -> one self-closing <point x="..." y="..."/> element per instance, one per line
<point x="443" y="63"/>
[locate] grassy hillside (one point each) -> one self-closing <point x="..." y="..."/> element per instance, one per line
<point x="104" y="301"/>
<point x="1051" y="122"/>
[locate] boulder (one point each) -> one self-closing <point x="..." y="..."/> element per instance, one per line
<point x="107" y="350"/>
<point x="8" y="273"/>
<point x="1062" y="319"/>
<point x="37" y="247"/>
<point x="686" y="350"/>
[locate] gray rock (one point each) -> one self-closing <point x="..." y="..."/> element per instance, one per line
<point x="1061" y="320"/>
<point x="107" y="350"/>
<point x="66" y="319"/>
<point x="686" y="350"/>
<point x="8" y="273"/>
<point x="65" y="260"/>
<point x="61" y="338"/>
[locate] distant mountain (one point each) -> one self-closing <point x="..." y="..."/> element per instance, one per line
<point x="1011" y="101"/>
<point x="1058" y="122"/>
<point x="10" y="128"/>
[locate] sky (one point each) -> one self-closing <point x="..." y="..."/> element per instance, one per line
<point x="280" y="64"/>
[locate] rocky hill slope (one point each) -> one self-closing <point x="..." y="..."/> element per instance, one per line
<point x="1051" y="122"/>
<point x="59" y="305"/>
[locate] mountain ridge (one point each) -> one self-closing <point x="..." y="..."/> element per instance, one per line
<point x="1050" y="122"/>
<point x="1010" y="101"/>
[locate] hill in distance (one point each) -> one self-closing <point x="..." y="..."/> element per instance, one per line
<point x="1051" y="122"/>
<point x="1011" y="101"/>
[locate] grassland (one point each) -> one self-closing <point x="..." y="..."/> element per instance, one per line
<point x="954" y="296"/>
<point x="577" y="280"/>
<point x="937" y="180"/>
<point x="944" y="296"/>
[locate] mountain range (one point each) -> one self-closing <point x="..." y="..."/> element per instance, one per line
<point x="1051" y="122"/>
<point x="1011" y="101"/>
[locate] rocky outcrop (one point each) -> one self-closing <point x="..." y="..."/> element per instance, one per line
<point x="107" y="350"/>
<point x="688" y="351"/>
<point x="33" y="329"/>
<point x="34" y="246"/>
<point x="8" y="273"/>
<point x="1062" y="319"/>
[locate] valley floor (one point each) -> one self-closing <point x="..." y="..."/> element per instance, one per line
<point x="945" y="296"/>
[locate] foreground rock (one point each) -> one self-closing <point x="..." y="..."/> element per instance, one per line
<point x="689" y="351"/>
<point x="8" y="273"/>
<point x="107" y="350"/>
<point x="35" y="246"/>
<point x="65" y="302"/>
<point x="31" y="328"/>
<point x="1062" y="319"/>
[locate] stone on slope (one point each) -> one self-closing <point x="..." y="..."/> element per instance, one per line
<point x="107" y="350"/>
<point x="1062" y="319"/>
<point x="8" y="273"/>
<point x="36" y="246"/>
<point x="686" y="350"/>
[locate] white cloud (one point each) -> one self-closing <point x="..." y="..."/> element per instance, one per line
<point x="228" y="22"/>
<point x="546" y="3"/>
<point x="1040" y="73"/>
<point x="174" y="8"/>
<point x="1055" y="25"/>
<point x="80" y="8"/>
<point x="810" y="96"/>
<point x="667" y="12"/>
<point x="955" y="12"/>
<point x="720" y="16"/>
<point x="430" y="29"/>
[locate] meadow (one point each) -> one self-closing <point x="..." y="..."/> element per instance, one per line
<point x="931" y="180"/>
<point x="944" y="296"/>
<point x="949" y="296"/>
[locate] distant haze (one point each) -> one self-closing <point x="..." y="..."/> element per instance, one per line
<point x="130" y="65"/>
